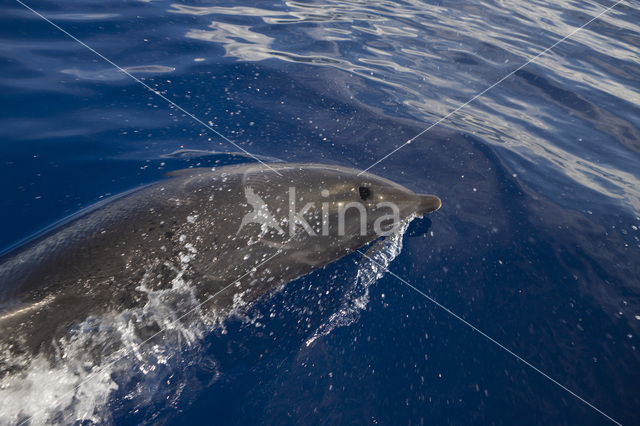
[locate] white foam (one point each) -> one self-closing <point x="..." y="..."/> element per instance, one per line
<point x="356" y="298"/>
<point x="117" y="351"/>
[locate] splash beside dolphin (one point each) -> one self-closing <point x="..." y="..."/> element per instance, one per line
<point x="201" y="225"/>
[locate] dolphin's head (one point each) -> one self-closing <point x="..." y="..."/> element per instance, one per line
<point x="373" y="191"/>
<point x="386" y="203"/>
<point x="337" y="203"/>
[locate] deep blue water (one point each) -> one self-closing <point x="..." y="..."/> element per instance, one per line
<point x="537" y="243"/>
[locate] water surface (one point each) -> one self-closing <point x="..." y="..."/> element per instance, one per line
<point x="537" y="243"/>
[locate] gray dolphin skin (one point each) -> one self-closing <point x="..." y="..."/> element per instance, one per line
<point x="228" y="231"/>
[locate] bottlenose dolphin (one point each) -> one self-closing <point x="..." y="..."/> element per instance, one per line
<point x="235" y="232"/>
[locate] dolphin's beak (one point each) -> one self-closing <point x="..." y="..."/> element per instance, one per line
<point x="428" y="204"/>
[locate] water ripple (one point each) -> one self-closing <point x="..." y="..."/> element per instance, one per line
<point x="432" y="58"/>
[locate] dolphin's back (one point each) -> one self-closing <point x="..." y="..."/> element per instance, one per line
<point x="109" y="257"/>
<point x="58" y="253"/>
<point x="90" y="265"/>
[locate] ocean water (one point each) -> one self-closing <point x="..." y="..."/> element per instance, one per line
<point x="537" y="243"/>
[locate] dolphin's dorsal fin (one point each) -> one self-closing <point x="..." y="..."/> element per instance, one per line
<point x="188" y="171"/>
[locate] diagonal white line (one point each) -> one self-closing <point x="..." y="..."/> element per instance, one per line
<point x="162" y="330"/>
<point x="491" y="339"/>
<point x="151" y="89"/>
<point x="491" y="87"/>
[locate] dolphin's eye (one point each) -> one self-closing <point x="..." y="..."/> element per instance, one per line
<point x="365" y="193"/>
